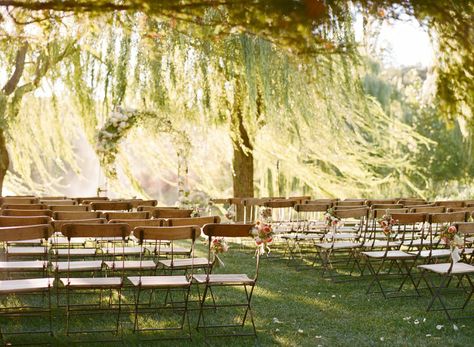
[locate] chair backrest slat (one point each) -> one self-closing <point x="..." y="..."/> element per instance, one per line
<point x="70" y="208"/>
<point x="409" y="218"/>
<point x="61" y="215"/>
<point x="10" y="221"/>
<point x="450" y="203"/>
<point x="280" y="203"/>
<point x="228" y="230"/>
<point x="23" y="207"/>
<point x="166" y="233"/>
<point x="58" y="224"/>
<point x="96" y="230"/>
<point x="465" y="228"/>
<point x="428" y="209"/>
<point x="89" y="199"/>
<point x="353" y="213"/>
<point x="133" y="223"/>
<point x="448" y="217"/>
<point x="200" y="221"/>
<point x="385" y="206"/>
<point x="126" y="215"/>
<point x="380" y="213"/>
<point x="29" y="232"/>
<point x="311" y="207"/>
<point x="110" y="206"/>
<point x="171" y="213"/>
<point x="27" y="213"/>
<point x="66" y="202"/>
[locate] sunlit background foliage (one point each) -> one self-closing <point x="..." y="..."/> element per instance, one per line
<point x="316" y="112"/>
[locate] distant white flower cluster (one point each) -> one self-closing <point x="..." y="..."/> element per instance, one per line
<point x="120" y="121"/>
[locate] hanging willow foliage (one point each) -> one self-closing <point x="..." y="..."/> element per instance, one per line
<point x="308" y="112"/>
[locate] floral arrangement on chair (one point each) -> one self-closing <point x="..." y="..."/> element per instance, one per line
<point x="449" y="234"/>
<point x="263" y="235"/>
<point x="230" y="213"/>
<point x="266" y="213"/>
<point x="331" y="219"/>
<point x="387" y="222"/>
<point x="219" y="245"/>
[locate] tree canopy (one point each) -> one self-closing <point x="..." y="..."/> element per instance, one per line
<point x="285" y="81"/>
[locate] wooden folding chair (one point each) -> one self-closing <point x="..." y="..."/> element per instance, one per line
<point x="342" y="244"/>
<point x="403" y="262"/>
<point x="20" y="249"/>
<point x="172" y="264"/>
<point x="76" y="287"/>
<point x="163" y="307"/>
<point x="445" y="273"/>
<point x="18" y="301"/>
<point x="136" y="250"/>
<point x="309" y="228"/>
<point x="211" y="323"/>
<point x="34" y="267"/>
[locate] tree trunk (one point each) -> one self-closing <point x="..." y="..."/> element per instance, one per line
<point x="4" y="159"/>
<point x="242" y="162"/>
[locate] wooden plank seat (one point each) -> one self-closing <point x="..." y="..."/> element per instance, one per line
<point x="222" y="279"/>
<point x="27" y="285"/>
<point x="27" y="265"/>
<point x="395" y="254"/>
<point x="26" y="251"/>
<point x="185" y="263"/>
<point x="444" y="268"/>
<point x="89" y="265"/>
<point x="157" y="250"/>
<point x="75" y="252"/>
<point x="125" y="251"/>
<point x="130" y="265"/>
<point x="92" y="282"/>
<point x="159" y="281"/>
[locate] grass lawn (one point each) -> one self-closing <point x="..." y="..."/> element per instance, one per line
<point x="299" y="308"/>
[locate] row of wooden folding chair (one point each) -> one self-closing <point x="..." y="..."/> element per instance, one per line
<point x="72" y="284"/>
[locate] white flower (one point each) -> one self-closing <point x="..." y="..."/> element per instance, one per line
<point x="382" y="338"/>
<point x="428" y="335"/>
<point x="276" y="320"/>
<point x="277" y="330"/>
<point x="439" y="326"/>
<point x="416" y="322"/>
<point x="300" y="331"/>
<point x="455" y="327"/>
<point x="123" y="124"/>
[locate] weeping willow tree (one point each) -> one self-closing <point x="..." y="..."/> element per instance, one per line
<point x="274" y="103"/>
<point x="27" y="63"/>
<point x="260" y="93"/>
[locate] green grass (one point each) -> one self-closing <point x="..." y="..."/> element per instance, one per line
<point x="299" y="308"/>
